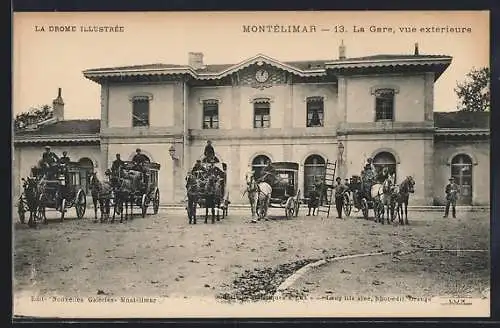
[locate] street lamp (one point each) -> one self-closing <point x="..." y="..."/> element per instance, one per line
<point x="341" y="152"/>
<point x="171" y="151"/>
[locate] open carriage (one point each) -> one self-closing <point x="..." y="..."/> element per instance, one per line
<point x="361" y="198"/>
<point x="145" y="193"/>
<point x="62" y="191"/>
<point x="285" y="191"/>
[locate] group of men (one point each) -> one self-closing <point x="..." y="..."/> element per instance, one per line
<point x="51" y="164"/>
<point x="138" y="161"/>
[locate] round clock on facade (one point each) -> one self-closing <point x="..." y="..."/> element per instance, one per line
<point x="262" y="75"/>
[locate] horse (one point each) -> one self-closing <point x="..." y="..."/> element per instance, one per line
<point x="102" y="193"/>
<point x="192" y="188"/>
<point x="212" y="197"/>
<point x="382" y="196"/>
<point x="124" y="194"/>
<point x="32" y="193"/>
<point x="259" y="196"/>
<point x="402" y="192"/>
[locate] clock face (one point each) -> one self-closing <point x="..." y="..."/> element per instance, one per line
<point x="262" y="75"/>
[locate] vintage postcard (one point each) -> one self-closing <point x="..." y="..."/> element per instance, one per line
<point x="251" y="164"/>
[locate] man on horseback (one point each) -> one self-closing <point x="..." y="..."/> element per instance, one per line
<point x="268" y="174"/>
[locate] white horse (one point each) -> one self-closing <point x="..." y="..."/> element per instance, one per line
<point x="259" y="196"/>
<point x="381" y="195"/>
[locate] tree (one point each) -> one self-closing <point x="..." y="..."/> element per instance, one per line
<point x="32" y="116"/>
<point x="474" y="92"/>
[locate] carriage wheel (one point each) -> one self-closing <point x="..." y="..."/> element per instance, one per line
<point x="21" y="209"/>
<point x="156" y="202"/>
<point x="347" y="205"/>
<point x="80" y="204"/>
<point x="364" y="207"/>
<point x="63" y="208"/>
<point x="144" y="205"/>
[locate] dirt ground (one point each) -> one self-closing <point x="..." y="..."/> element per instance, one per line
<point x="162" y="255"/>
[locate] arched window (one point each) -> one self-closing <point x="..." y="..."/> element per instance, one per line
<point x="461" y="170"/>
<point x="86" y="168"/>
<point x="314" y="167"/>
<point x="384" y="159"/>
<point x="259" y="163"/>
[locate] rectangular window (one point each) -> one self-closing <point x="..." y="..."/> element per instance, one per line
<point x="210" y="115"/>
<point x="384" y="105"/>
<point x="261" y="118"/>
<point x="315" y="112"/>
<point x="140" y="112"/>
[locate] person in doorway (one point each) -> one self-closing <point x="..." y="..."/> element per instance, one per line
<point x="321" y="189"/>
<point x="451" y="192"/>
<point x="339" y="196"/>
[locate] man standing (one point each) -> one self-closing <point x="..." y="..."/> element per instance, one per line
<point x="339" y="196"/>
<point x="451" y="191"/>
<point x="209" y="153"/>
<point x="117" y="166"/>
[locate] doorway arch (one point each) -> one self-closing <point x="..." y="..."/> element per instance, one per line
<point x="461" y="170"/>
<point x="86" y="166"/>
<point x="258" y="164"/>
<point x="314" y="167"/>
<point x="385" y="159"/>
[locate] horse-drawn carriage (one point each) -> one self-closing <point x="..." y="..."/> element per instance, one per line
<point x="206" y="188"/>
<point x="286" y="192"/>
<point x="60" y="191"/>
<point x="141" y="188"/>
<point x="276" y="187"/>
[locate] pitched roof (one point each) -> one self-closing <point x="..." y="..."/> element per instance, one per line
<point x="303" y="68"/>
<point x="462" y="120"/>
<point x="67" y="127"/>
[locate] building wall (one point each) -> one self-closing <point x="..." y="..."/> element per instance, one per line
<point x="409" y="101"/>
<point x="27" y="156"/>
<point x="479" y="151"/>
<point x="161" y="105"/>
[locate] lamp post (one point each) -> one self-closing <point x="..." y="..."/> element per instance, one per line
<point x="341" y="149"/>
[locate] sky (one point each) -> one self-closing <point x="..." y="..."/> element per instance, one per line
<point x="44" y="61"/>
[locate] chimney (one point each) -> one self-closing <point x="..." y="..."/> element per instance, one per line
<point x="342" y="50"/>
<point x="196" y="60"/>
<point x="416" y="49"/>
<point x="58" y="106"/>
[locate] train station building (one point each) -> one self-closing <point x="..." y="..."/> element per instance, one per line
<point x="263" y="109"/>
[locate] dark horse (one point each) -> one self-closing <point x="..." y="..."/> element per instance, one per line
<point x="124" y="194"/>
<point x="102" y="193"/>
<point x="403" y="196"/>
<point x="212" y="197"/>
<point x="192" y="188"/>
<point x="32" y="192"/>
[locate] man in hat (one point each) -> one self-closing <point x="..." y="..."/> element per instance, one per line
<point x="321" y="189"/>
<point x="209" y="153"/>
<point x="49" y="161"/>
<point x="340" y="188"/>
<point x="64" y="160"/>
<point x="451" y="192"/>
<point x="139" y="158"/>
<point x="117" y="166"/>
